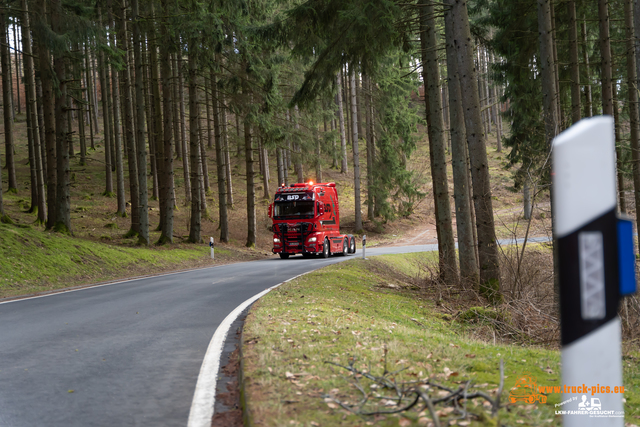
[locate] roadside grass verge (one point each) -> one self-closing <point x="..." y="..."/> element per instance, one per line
<point x="32" y="261"/>
<point x="375" y="315"/>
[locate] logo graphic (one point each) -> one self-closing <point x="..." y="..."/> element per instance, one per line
<point x="526" y="390"/>
<point x="594" y="405"/>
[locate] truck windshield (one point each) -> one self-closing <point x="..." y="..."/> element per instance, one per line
<point x="296" y="209"/>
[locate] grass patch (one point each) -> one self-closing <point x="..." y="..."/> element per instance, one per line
<point x="374" y="314"/>
<point x="33" y="261"/>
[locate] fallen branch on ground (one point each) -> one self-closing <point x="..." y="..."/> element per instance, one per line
<point x="411" y="394"/>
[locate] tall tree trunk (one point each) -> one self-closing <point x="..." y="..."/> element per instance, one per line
<point x="356" y="152"/>
<point x="215" y="107"/>
<point x="605" y="50"/>
<point x="10" y="72"/>
<point x="316" y="134"/>
<point x="499" y="121"/>
<point x="176" y="109"/>
<point x="90" y="101"/>
<point x="185" y="157"/>
<point x="69" y="116"/>
<point x="588" y="105"/>
<point x="194" y="144"/>
<point x="40" y="109"/>
<point x="622" y="201"/>
<point x="445" y="114"/>
<point x="17" y="61"/>
<point x="344" y="167"/>
<point x="78" y="72"/>
<point x="279" y="166"/>
<point x="459" y="159"/>
<point x="5" y="57"/>
<point x="32" y="165"/>
<point x="549" y="94"/>
<point x="141" y="150"/>
<point x="574" y="67"/>
<point x="167" y="117"/>
<point x="106" y="115"/>
<point x="94" y="72"/>
<point x="435" y="126"/>
<point x="128" y="119"/>
<point x="609" y="106"/>
<point x="46" y="82"/>
<point x="227" y="162"/>
<point x="485" y="84"/>
<point x="204" y="184"/>
<point x="359" y="104"/>
<point x="561" y="119"/>
<point x="63" y="196"/>
<point x="526" y="193"/>
<point x="251" y="191"/>
<point x="260" y="156"/>
<point x="297" y="149"/>
<point x="286" y="150"/>
<point x="183" y="122"/>
<point x="149" y="112"/>
<point x="3" y="216"/>
<point x="30" y="93"/>
<point x="366" y="85"/>
<point x="334" y="149"/>
<point x="158" y="134"/>
<point x="208" y="95"/>
<point x="220" y="163"/>
<point x="117" y="141"/>
<point x="240" y="145"/>
<point x="487" y="247"/>
<point x="265" y="176"/>
<point x="632" y="79"/>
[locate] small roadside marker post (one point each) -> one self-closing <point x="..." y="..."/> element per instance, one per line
<point x="596" y="268"/>
<point x="364" y="245"/>
<point x="211" y="246"/>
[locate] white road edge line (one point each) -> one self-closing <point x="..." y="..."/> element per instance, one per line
<point x="115" y="282"/>
<point x="204" y="397"/>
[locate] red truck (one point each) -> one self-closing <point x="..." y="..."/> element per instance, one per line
<point x="306" y="220"/>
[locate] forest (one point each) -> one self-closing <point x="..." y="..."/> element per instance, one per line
<point x="169" y="101"/>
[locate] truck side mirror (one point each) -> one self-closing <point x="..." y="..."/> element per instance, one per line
<point x="320" y="209"/>
<point x="270" y="210"/>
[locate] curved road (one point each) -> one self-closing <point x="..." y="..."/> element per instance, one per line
<point x="128" y="353"/>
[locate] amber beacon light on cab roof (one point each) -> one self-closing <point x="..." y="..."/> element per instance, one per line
<point x="306" y="220"/>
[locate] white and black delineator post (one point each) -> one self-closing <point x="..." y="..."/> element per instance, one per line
<point x="596" y="263"/>
<point x="211" y="245"/>
<point x="364" y="245"/>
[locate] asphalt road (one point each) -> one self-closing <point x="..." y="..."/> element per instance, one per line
<point x="126" y="354"/>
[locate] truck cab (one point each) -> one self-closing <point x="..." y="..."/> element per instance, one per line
<point x="306" y="220"/>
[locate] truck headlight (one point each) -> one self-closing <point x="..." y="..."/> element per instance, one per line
<point x="312" y="239"/>
<point x="276" y="240"/>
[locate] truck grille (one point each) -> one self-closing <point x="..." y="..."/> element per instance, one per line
<point x="294" y="236"/>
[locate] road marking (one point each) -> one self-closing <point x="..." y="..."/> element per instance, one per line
<point x="204" y="397"/>
<point x="99" y="285"/>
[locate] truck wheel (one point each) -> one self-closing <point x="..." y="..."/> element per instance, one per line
<point x="284" y="256"/>
<point x="345" y="247"/>
<point x="325" y="249"/>
<point x="352" y="245"/>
